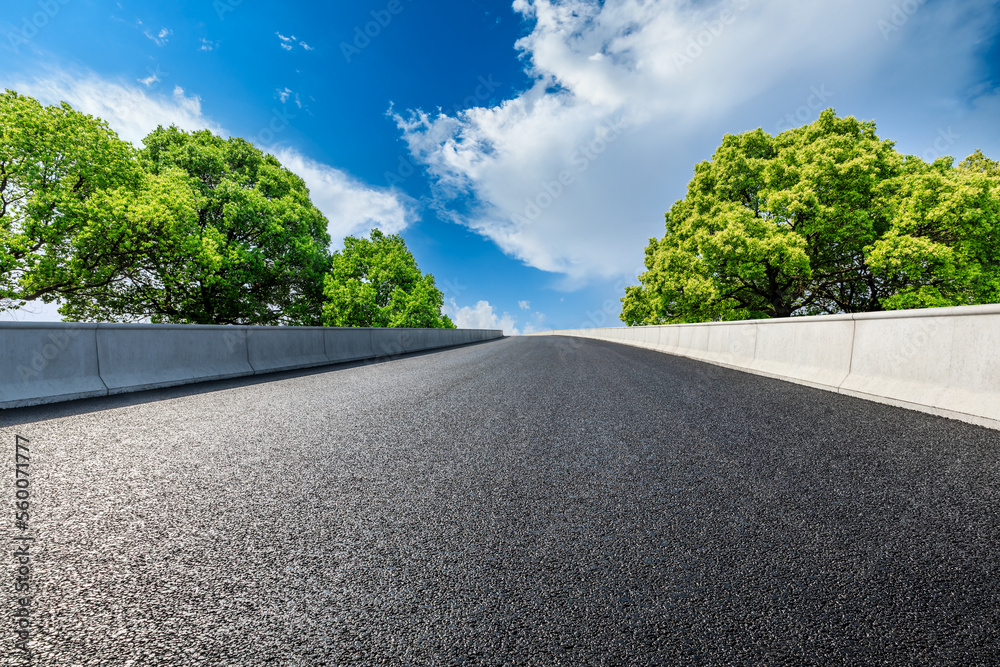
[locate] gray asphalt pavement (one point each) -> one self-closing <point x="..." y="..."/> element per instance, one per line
<point x="530" y="501"/>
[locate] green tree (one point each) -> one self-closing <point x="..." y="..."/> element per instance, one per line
<point x="226" y="235"/>
<point x="376" y="283"/>
<point x="67" y="185"/>
<point x="943" y="248"/>
<point x="826" y="218"/>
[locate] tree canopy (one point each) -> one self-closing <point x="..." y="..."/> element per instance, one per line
<point x="825" y="218"/>
<point x="225" y="235"/>
<point x="375" y="282"/>
<point x="191" y="228"/>
<point x="67" y="183"/>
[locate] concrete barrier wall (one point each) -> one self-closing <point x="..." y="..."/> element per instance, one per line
<point x="348" y="344"/>
<point x="48" y="361"/>
<point x="133" y="357"/>
<point x="52" y="362"/>
<point x="944" y="361"/>
<point x="950" y="362"/>
<point x="272" y="349"/>
<point x="815" y="351"/>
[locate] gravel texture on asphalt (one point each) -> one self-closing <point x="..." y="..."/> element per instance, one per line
<point x="529" y="501"/>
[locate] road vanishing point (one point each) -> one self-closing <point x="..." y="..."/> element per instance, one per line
<point x="526" y="501"/>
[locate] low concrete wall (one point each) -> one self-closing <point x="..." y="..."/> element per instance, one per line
<point x="48" y="361"/>
<point x="348" y="344"/>
<point x="52" y="362"/>
<point x="133" y="357"/>
<point x="944" y="361"/>
<point x="810" y="350"/>
<point x="272" y="349"/>
<point x="949" y="362"/>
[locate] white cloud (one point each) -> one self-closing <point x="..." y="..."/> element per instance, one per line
<point x="207" y="45"/>
<point x="574" y="174"/>
<point x="352" y="207"/>
<point x="131" y="111"/>
<point x="536" y="325"/>
<point x="480" y="316"/>
<point x="524" y="305"/>
<point x="149" y="80"/>
<point x="288" y="43"/>
<point x="484" y="316"/>
<point x="161" y="37"/>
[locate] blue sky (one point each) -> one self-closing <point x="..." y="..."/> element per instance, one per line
<point x="526" y="151"/>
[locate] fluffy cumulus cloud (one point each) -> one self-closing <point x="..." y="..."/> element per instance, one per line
<point x="484" y="316"/>
<point x="480" y="316"/>
<point x="574" y="174"/>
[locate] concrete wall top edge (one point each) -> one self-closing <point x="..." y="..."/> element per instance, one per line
<point x="950" y="311"/>
<point x="48" y="325"/>
<point x="839" y="317"/>
<point x="211" y="327"/>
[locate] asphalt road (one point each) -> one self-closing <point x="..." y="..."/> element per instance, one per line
<point x="530" y="501"/>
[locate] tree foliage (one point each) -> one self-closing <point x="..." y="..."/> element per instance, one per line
<point x="826" y="218"/>
<point x="223" y="235"/>
<point x="375" y="282"/>
<point x="67" y="184"/>
<point x="192" y="228"/>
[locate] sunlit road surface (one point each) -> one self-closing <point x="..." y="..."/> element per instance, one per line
<point x="526" y="501"/>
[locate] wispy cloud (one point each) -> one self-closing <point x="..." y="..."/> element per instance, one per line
<point x="160" y="38"/>
<point x="286" y="94"/>
<point x="207" y="45"/>
<point x="524" y="305"/>
<point x="132" y="111"/>
<point x="288" y="43"/>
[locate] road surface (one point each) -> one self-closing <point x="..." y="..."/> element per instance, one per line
<point x="529" y="501"/>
